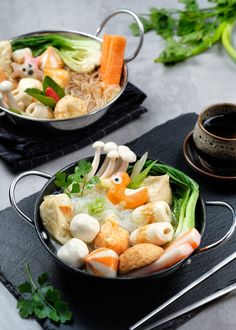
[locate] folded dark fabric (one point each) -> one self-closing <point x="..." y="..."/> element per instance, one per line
<point x="24" y="150"/>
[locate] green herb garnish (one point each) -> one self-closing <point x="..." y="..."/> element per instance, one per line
<point x="42" y="300"/>
<point x="191" y="30"/>
<point x="97" y="206"/>
<point x="77" y="182"/>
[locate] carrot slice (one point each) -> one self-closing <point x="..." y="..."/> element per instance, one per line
<point x="105" y="52"/>
<point x="115" y="61"/>
<point x="191" y="237"/>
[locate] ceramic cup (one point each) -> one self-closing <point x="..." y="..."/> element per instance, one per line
<point x="214" y="148"/>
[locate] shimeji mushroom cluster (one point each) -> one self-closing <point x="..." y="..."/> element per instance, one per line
<point x="6" y="88"/>
<point x="117" y="159"/>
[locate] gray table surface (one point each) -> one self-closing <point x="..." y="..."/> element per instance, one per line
<point x="187" y="87"/>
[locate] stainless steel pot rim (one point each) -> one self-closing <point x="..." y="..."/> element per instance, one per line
<point x="73" y="118"/>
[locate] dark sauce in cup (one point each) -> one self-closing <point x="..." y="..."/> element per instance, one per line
<point x="223" y="125"/>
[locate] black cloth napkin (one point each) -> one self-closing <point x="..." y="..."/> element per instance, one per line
<point x="117" y="308"/>
<point x="23" y="150"/>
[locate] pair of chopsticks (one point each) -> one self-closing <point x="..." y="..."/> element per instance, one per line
<point x="185" y="290"/>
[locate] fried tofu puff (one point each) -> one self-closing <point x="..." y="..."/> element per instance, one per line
<point x="5" y="57"/>
<point x="138" y="256"/>
<point x="69" y="107"/>
<point x="152" y="212"/>
<point x="102" y="262"/>
<point x="158" y="188"/>
<point x="56" y="213"/>
<point x="112" y="236"/>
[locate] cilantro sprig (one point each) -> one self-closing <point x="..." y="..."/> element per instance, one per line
<point x="190" y="30"/>
<point x="42" y="300"/>
<point x="76" y="182"/>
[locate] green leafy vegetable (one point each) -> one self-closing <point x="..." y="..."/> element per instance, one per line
<point x="42" y="300"/>
<point x="15" y="111"/>
<point x="48" y="101"/>
<point x="191" y="30"/>
<point x="185" y="192"/>
<point x="97" y="206"/>
<point x="40" y="96"/>
<point x="80" y="54"/>
<point x="186" y="196"/>
<point x="76" y="182"/>
<point x="49" y="82"/>
<point x="137" y="180"/>
<point x="227" y="40"/>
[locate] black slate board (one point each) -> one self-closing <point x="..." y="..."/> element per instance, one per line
<point x="107" y="308"/>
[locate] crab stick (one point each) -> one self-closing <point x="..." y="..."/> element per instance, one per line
<point x="168" y="259"/>
<point x="114" y="61"/>
<point x="105" y="50"/>
<point x="102" y="262"/>
<point x="158" y="233"/>
<point x="191" y="237"/>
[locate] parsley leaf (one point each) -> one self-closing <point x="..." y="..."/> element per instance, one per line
<point x="76" y="182"/>
<point x="42" y="300"/>
<point x="191" y="30"/>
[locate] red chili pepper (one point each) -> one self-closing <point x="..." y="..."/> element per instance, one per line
<point x="51" y="93"/>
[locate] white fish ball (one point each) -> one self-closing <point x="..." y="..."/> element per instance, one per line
<point x="73" y="252"/>
<point x="84" y="227"/>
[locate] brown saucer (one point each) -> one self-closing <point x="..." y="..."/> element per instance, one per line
<point x="199" y="165"/>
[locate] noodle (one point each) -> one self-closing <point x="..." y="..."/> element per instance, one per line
<point x="90" y="88"/>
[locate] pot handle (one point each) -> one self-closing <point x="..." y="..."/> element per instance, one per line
<point x="140" y="26"/>
<point x="229" y="232"/>
<point x="13" y="188"/>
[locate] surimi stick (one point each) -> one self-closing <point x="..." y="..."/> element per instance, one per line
<point x="105" y="51"/>
<point x="169" y="258"/>
<point x="114" y="61"/>
<point x="192" y="237"/>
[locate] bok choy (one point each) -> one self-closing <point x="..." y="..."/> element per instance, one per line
<point x="80" y="54"/>
<point x="185" y="194"/>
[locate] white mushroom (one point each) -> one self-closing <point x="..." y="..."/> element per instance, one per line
<point x="6" y="87"/>
<point x="73" y="253"/>
<point x="23" y="99"/>
<point x="19" y="55"/>
<point x="112" y="156"/>
<point x="127" y="157"/>
<point x="98" y="145"/>
<point x="39" y="110"/>
<point x="84" y="227"/>
<point x="2" y="103"/>
<point x="109" y="146"/>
